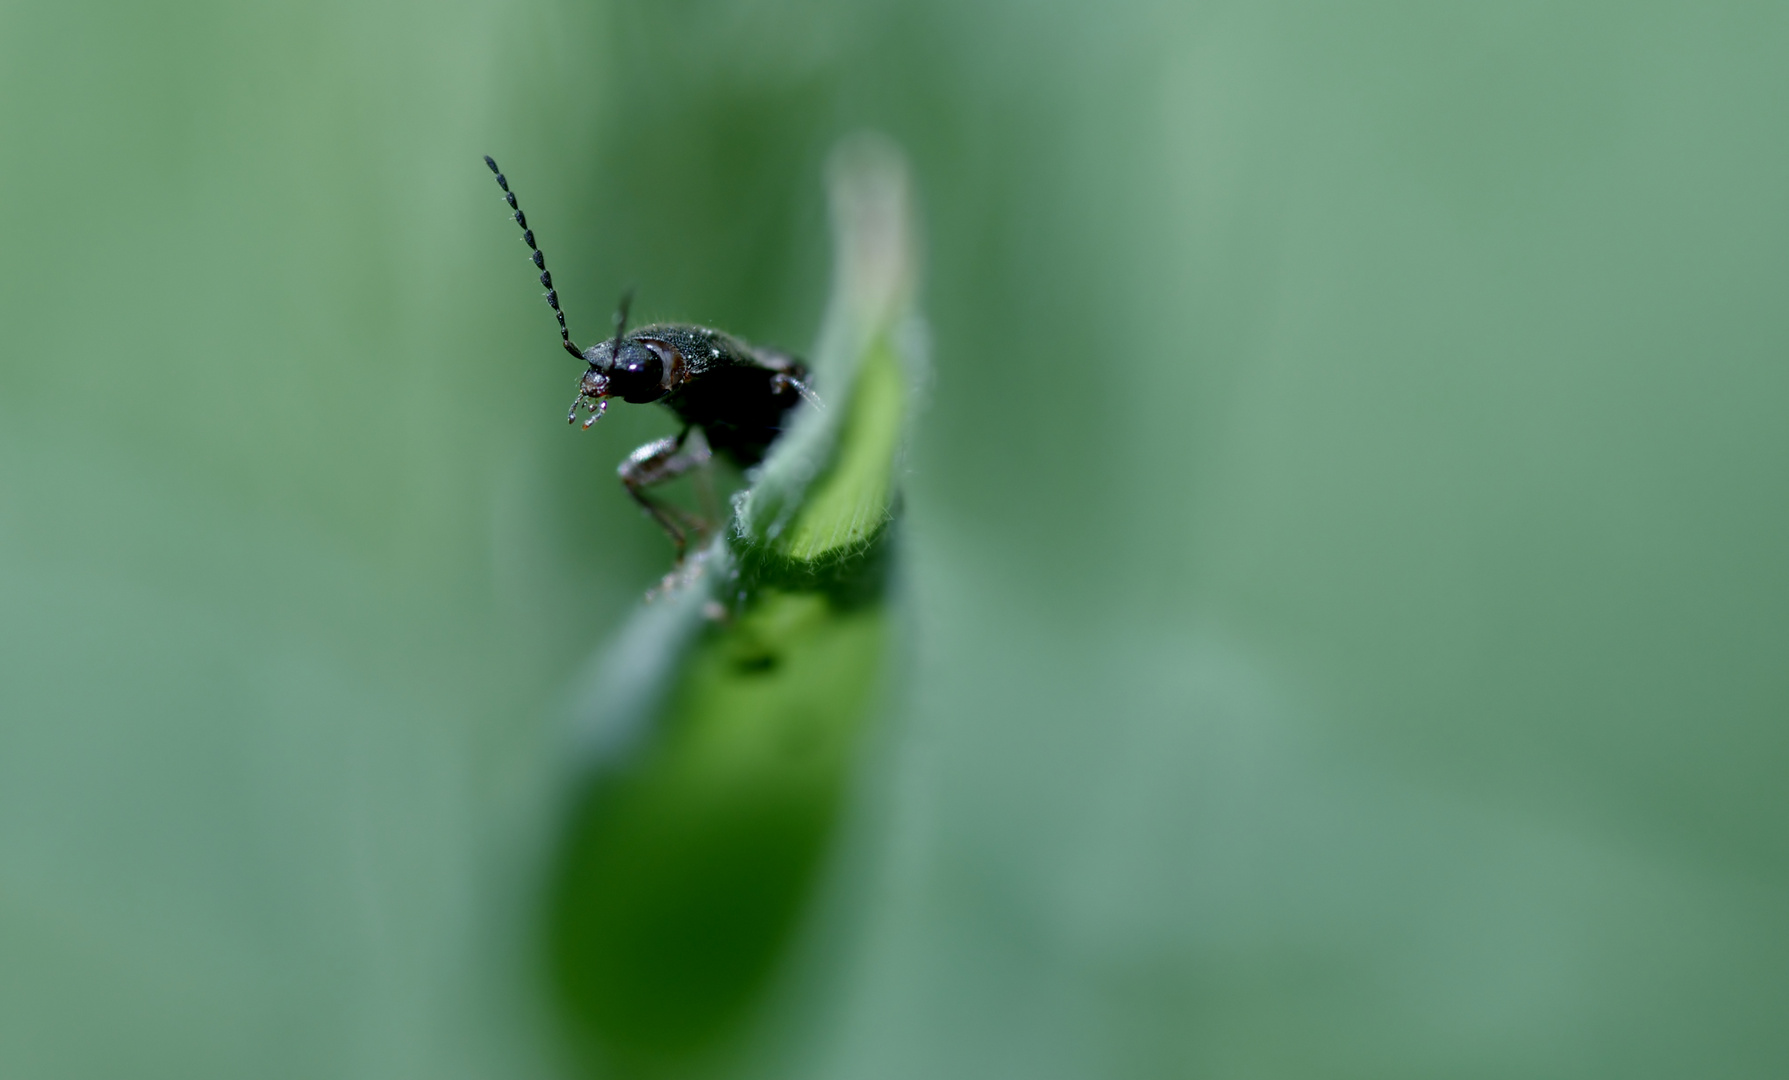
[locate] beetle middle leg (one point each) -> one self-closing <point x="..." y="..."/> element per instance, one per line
<point x="655" y="463"/>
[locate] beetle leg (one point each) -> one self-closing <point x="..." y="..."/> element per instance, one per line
<point x="655" y="463"/>
<point x="782" y="382"/>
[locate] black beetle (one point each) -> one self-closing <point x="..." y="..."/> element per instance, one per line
<point x="738" y="394"/>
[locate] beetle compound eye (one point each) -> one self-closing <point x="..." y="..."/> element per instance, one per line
<point x="669" y="362"/>
<point x="637" y="373"/>
<point x="648" y="368"/>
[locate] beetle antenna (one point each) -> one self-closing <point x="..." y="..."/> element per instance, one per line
<point x="538" y="258"/>
<point x="627" y="301"/>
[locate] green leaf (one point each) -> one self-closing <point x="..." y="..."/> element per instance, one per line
<point x="720" y="734"/>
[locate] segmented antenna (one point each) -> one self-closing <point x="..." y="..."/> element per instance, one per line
<point x="539" y="259"/>
<point x="627" y="301"/>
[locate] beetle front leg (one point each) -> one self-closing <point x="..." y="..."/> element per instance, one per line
<point x="655" y="463"/>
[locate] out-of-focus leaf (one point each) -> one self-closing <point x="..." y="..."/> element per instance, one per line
<point x="720" y="733"/>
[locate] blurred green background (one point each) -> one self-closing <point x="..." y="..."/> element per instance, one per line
<point x="1347" y="541"/>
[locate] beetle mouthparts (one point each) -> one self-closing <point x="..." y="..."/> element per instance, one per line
<point x="593" y="394"/>
<point x="597" y="404"/>
<point x="602" y="406"/>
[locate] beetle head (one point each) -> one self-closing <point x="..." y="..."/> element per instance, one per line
<point x="618" y="368"/>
